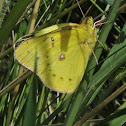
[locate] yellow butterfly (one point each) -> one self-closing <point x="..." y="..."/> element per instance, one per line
<point x="62" y="52"/>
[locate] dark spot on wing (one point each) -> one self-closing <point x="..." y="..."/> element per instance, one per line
<point x="47" y="64"/>
<point x="86" y="30"/>
<point x="45" y="37"/>
<point x="70" y="79"/>
<point x="61" y="78"/>
<point x="54" y="75"/>
<point x="84" y="41"/>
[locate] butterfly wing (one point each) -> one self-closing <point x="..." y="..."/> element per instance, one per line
<point x="62" y="56"/>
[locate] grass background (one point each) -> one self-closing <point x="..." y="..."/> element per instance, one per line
<point x="99" y="99"/>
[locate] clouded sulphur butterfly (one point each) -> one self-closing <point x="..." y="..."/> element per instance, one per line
<point x="62" y="53"/>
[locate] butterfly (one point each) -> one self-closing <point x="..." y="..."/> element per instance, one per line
<point x="62" y="52"/>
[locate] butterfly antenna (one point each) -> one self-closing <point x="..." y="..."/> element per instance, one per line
<point x="89" y="9"/>
<point x="80" y="8"/>
<point x="45" y="3"/>
<point x="93" y="52"/>
<point x="99" y="22"/>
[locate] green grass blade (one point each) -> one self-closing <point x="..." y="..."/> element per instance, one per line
<point x="15" y="14"/>
<point x="30" y="114"/>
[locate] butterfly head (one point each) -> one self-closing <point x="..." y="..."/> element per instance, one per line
<point x="88" y="21"/>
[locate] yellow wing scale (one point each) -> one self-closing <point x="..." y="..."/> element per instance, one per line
<point x="62" y="55"/>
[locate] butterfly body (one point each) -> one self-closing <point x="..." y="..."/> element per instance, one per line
<point x="62" y="54"/>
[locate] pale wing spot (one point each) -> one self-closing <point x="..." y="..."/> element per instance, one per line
<point x="62" y="57"/>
